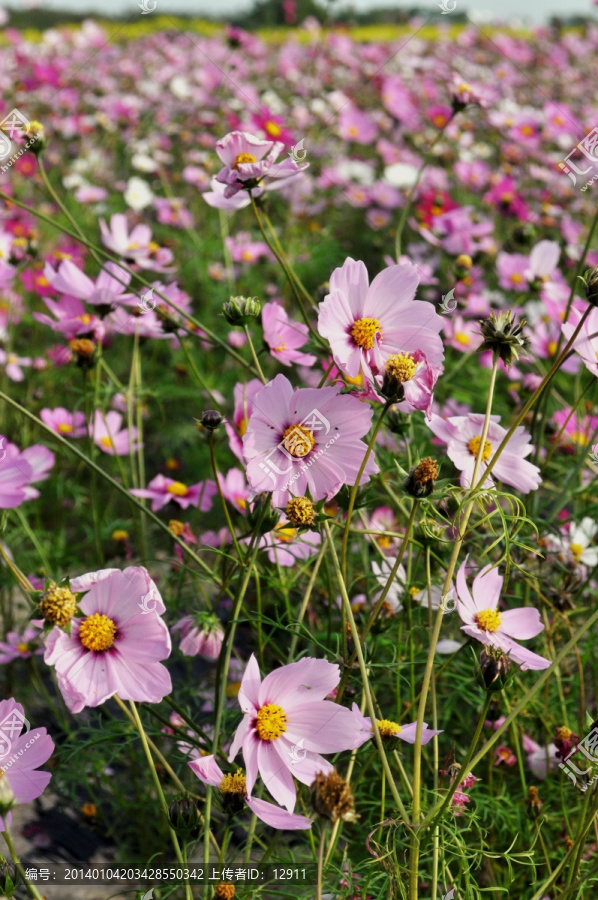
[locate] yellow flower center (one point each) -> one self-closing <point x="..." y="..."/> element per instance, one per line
<point x="271" y="722"/>
<point x="576" y="550"/>
<point x="22" y="647"/>
<point x="42" y="281"/>
<point x="178" y="489"/>
<point x="85" y="318"/>
<point x="474" y="448"/>
<point x="527" y="130"/>
<point x="402" y="367"/>
<point x="388" y="728"/>
<point x="298" y="441"/>
<point x="552" y="348"/>
<point x="241" y="502"/>
<point x="364" y="332"/>
<point x="107" y="442"/>
<point x="153" y="247"/>
<point x="97" y="633"/>
<point x="488" y="620"/>
<point x="579" y="437"/>
<point x="242" y="427"/>
<point x="273" y="129"/>
<point x="516" y="278"/>
<point x="563" y="733"/>
<point x="244" y="158"/>
<point x="120" y="535"/>
<point x="462" y="338"/>
<point x="234" y="784"/>
<point x="286" y="535"/>
<point x="383" y="542"/>
<point x="64" y="428"/>
<point x="279" y="349"/>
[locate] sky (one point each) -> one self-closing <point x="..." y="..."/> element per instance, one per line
<point x="524" y="10"/>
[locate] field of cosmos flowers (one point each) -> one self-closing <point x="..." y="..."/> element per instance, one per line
<point x="298" y="361"/>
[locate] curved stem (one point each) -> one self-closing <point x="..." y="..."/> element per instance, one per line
<point x="30" y="888"/>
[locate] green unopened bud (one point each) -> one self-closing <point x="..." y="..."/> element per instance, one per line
<point x="590" y="280"/>
<point x="210" y="420"/>
<point x="9" y="877"/>
<point x="503" y="335"/>
<point x="7" y="798"/>
<point x="261" y="516"/>
<point x="183" y="814"/>
<point x="241" y="310"/>
<point x="494" y="668"/>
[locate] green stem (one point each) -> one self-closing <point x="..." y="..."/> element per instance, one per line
<point x="256" y="361"/>
<point x="30" y="888"/>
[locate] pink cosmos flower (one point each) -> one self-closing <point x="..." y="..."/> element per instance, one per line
<point x="541" y="760"/>
<point x="71" y="318"/>
<point x="21" y="757"/>
<point x="107" y="290"/>
<point x="201" y="636"/>
<point x="36" y="460"/>
<point x="309" y="439"/>
<point x="19" y="646"/>
<point x="355" y="125"/>
<point x="118" y="646"/>
<point x="162" y="489"/>
<point x="586" y="342"/>
<point x="287" y="547"/>
<point x="462" y="434"/>
<point x="284" y="337"/>
<point x="15" y="475"/>
<point x="64" y="422"/>
<point x="108" y="434"/>
<point x="207" y="770"/>
<point x="391" y="729"/>
<point x="512" y="271"/>
<point x="249" y="161"/>
<point x="234" y="489"/>
<point x="287" y="711"/>
<point x="14" y="364"/>
<point x="504" y="755"/>
<point x="243" y="395"/>
<point x="483" y="621"/>
<point x="543" y="261"/>
<point x="273" y="126"/>
<point x="366" y="324"/>
<point x="135" y="246"/>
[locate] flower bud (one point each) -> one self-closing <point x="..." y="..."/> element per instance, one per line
<point x="397" y="422"/>
<point x="241" y="310"/>
<point x="58" y="604"/>
<point x="7" y="798"/>
<point x="9" y="877"/>
<point x="493" y="670"/>
<point x="503" y="334"/>
<point x="399" y="368"/>
<point x="590" y="280"/>
<point x="210" y="420"/>
<point x="421" y="479"/>
<point x="533" y="803"/>
<point x="183" y="814"/>
<point x="261" y="515"/>
<point x="36" y="138"/>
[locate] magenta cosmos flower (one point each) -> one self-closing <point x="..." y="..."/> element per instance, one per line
<point x="63" y="422"/>
<point x="108" y="434"/>
<point x="20" y="757"/>
<point x="284" y="337"/>
<point x="305" y="440"/>
<point x="15" y="475"/>
<point x="207" y="770"/>
<point x="118" y="646"/>
<point x="201" y="635"/>
<point x="367" y="325"/>
<point x="249" y="161"/>
<point x="485" y="623"/>
<point x="391" y="729"/>
<point x="161" y="489"/>
<point x="463" y="434"/>
<point x="20" y="646"/>
<point x="243" y="395"/>
<point x="288" y="723"/>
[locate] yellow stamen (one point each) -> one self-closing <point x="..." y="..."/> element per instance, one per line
<point x="178" y="489"/>
<point x="286" y="535"/>
<point x="279" y="349"/>
<point x="401" y="367"/>
<point x="244" y="158"/>
<point x="234" y="784"/>
<point x="388" y="728"/>
<point x="576" y="550"/>
<point x="107" y="442"/>
<point x="64" y="428"/>
<point x="462" y="338"/>
<point x="298" y="440"/>
<point x="364" y="331"/>
<point x="488" y="620"/>
<point x="552" y="348"/>
<point x="474" y="448"/>
<point x="271" y="722"/>
<point x="97" y="633"/>
<point x="273" y="129"/>
<point x="242" y="427"/>
<point x="22" y="647"/>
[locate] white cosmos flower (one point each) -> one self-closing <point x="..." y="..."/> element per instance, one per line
<point x="138" y="194"/>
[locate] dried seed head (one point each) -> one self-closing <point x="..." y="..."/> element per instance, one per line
<point x="58" y="605"/>
<point x="332" y="797"/>
<point x="300" y="511"/>
<point x="421" y="479"/>
<point x="224" y="891"/>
